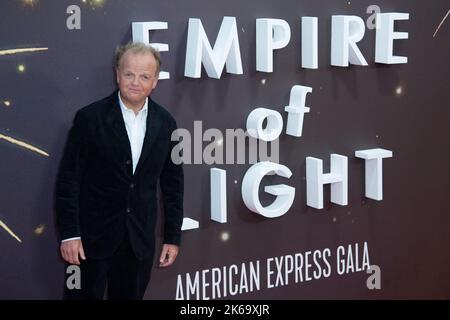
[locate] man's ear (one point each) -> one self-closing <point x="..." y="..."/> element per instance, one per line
<point x="117" y="75"/>
<point x="156" y="82"/>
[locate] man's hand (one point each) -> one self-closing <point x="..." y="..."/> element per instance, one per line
<point x="70" y="250"/>
<point x="169" y="253"/>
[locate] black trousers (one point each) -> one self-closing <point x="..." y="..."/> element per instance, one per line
<point x="124" y="276"/>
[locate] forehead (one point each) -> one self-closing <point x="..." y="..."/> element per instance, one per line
<point x="141" y="60"/>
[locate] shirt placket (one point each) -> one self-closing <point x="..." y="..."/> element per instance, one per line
<point x="133" y="140"/>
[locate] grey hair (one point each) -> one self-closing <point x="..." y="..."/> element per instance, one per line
<point x="138" y="48"/>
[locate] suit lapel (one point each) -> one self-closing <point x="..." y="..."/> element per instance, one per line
<point x="116" y="122"/>
<point x="151" y="132"/>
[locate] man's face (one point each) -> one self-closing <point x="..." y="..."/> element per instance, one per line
<point x="136" y="78"/>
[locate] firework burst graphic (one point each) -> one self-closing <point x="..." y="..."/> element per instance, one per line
<point x="7" y="103"/>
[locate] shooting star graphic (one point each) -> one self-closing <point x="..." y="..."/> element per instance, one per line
<point x="20" y="50"/>
<point x="23" y="145"/>
<point x="440" y="24"/>
<point x="4" y="226"/>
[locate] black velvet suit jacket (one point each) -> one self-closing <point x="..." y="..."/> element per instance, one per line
<point x="97" y="196"/>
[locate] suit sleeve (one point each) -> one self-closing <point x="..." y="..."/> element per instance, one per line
<point x="172" y="188"/>
<point x="68" y="181"/>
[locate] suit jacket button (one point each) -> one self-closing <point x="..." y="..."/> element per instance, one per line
<point x="128" y="210"/>
<point x="132" y="186"/>
<point x="128" y="162"/>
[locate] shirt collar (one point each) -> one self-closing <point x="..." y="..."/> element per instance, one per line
<point x="125" y="109"/>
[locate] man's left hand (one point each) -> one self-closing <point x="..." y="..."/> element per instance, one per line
<point x="169" y="253"/>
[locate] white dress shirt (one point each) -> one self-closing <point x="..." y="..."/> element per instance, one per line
<point x="136" y="124"/>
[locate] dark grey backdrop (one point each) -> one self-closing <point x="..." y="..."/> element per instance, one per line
<point x="351" y="109"/>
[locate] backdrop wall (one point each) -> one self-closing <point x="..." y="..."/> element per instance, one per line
<point x="403" y="108"/>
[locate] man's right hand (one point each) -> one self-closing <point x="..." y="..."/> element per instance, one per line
<point x="71" y="250"/>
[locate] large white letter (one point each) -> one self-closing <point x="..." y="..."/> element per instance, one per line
<point x="296" y="110"/>
<point x="189" y="224"/>
<point x="250" y="189"/>
<point x="310" y="43"/>
<point x="315" y="179"/>
<point x="255" y="124"/>
<point x="226" y="50"/>
<point x="346" y="31"/>
<point x="271" y="34"/>
<point x="374" y="171"/>
<point x="218" y="195"/>
<point x="385" y="38"/>
<point x="140" y="32"/>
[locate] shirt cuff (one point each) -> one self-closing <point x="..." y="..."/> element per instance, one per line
<point x="75" y="238"/>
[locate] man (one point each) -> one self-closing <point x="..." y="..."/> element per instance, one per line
<point x="106" y="205"/>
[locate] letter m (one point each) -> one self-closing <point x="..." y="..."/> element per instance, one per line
<point x="226" y="50"/>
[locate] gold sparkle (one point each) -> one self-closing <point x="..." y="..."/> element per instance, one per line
<point x="23" y="145"/>
<point x="30" y="3"/>
<point x="21" y="68"/>
<point x="98" y="3"/>
<point x="225" y="236"/>
<point x="440" y="24"/>
<point x="95" y="3"/>
<point x="39" y="230"/>
<point x="11" y="233"/>
<point x="18" y="50"/>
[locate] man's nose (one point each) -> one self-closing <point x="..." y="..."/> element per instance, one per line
<point x="135" y="81"/>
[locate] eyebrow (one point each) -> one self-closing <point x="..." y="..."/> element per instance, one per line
<point x="141" y="74"/>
